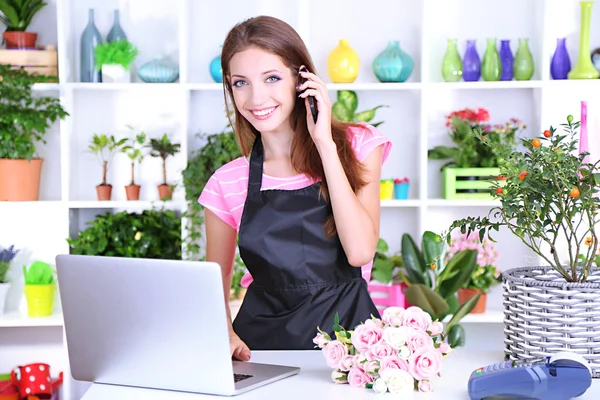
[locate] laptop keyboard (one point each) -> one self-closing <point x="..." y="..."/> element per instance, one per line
<point x="241" y="377"/>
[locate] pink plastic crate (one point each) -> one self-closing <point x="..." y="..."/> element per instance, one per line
<point x="385" y="296"/>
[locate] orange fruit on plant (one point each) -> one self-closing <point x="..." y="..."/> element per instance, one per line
<point x="574" y="193"/>
<point x="536" y="143"/>
<point x="547" y="133"/>
<point x="499" y="190"/>
<point x="522" y="175"/>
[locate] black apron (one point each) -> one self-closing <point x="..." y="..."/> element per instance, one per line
<point x="301" y="278"/>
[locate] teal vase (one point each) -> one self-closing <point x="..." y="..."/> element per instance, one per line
<point x="523" y="66"/>
<point x="452" y="67"/>
<point x="491" y="67"/>
<point x="393" y="64"/>
<point x="90" y="38"/>
<point x="116" y="32"/>
<point x="215" y="68"/>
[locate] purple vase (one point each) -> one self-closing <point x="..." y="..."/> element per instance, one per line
<point x="506" y="59"/>
<point x="560" y="64"/>
<point x="471" y="63"/>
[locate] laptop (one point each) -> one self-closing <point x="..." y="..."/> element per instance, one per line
<point x="150" y="323"/>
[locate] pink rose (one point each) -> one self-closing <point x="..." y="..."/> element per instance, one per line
<point x="424" y="386"/>
<point x="366" y="335"/>
<point x="358" y="361"/>
<point x="393" y="362"/>
<point x="418" y="340"/>
<point x="444" y="348"/>
<point x="339" y="376"/>
<point x="335" y="351"/>
<point x="416" y="318"/>
<point x="346" y="363"/>
<point x="435" y="328"/>
<point x="358" y="378"/>
<point x="371" y="367"/>
<point x="379" y="350"/>
<point x="425" y="363"/>
<point x="320" y="340"/>
<point x="393" y="316"/>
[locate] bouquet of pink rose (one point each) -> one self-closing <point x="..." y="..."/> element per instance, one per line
<point x="402" y="351"/>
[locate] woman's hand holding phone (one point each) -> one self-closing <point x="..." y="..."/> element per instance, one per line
<point x="319" y="123"/>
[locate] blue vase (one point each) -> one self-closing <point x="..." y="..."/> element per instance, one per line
<point x="90" y="38"/>
<point x="116" y="32"/>
<point x="393" y="64"/>
<point x="215" y="68"/>
<point x="471" y="63"/>
<point x="561" y="63"/>
<point x="159" y="70"/>
<point x="506" y="59"/>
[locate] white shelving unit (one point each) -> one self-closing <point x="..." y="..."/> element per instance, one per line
<point x="190" y="32"/>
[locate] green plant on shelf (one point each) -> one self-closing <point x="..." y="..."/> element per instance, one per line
<point x="39" y="273"/>
<point x="25" y="118"/>
<point x="119" y="52"/>
<point x="154" y="233"/>
<point x="104" y="147"/>
<point x="134" y="151"/>
<point x="18" y="14"/>
<point x="386" y="265"/>
<point x="346" y="105"/>
<point x="6" y="257"/>
<point x="163" y="148"/>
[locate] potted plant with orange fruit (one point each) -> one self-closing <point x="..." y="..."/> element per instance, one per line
<point x="549" y="200"/>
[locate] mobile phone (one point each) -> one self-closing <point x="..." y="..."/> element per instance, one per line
<point x="311" y="100"/>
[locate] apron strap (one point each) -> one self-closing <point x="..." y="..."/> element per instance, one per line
<point x="256" y="167"/>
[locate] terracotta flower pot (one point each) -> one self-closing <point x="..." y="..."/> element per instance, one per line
<point x="20" y="179"/>
<point x="165" y="192"/>
<point x="20" y="40"/>
<point x="466" y="294"/>
<point x="104" y="192"/>
<point x="133" y="192"/>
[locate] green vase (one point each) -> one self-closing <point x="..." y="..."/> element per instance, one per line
<point x="491" y="67"/>
<point x="452" y="67"/>
<point x="584" y="69"/>
<point x="523" y="66"/>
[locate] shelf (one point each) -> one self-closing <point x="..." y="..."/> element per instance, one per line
<point x="16" y="320"/>
<point x="127" y="204"/>
<point x="488" y="85"/>
<point x="462" y="203"/>
<point x="375" y="86"/>
<point x="122" y="86"/>
<point x="488" y="317"/>
<point x="42" y="87"/>
<point x="400" y="203"/>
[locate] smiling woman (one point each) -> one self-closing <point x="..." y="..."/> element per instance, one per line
<point x="302" y="201"/>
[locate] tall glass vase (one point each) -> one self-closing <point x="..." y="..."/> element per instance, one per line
<point x="116" y="32"/>
<point x="506" y="59"/>
<point x="471" y="63"/>
<point x="561" y="63"/>
<point x="523" y="65"/>
<point x="584" y="69"/>
<point x="452" y="68"/>
<point x="491" y="68"/>
<point x="90" y="38"/>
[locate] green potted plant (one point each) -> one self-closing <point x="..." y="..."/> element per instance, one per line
<point x="17" y="15"/>
<point x="162" y="148"/>
<point x="550" y="202"/>
<point x="24" y="122"/>
<point x="114" y="59"/>
<point x="105" y="147"/>
<point x="40" y="286"/>
<point x="346" y="105"/>
<point x="470" y="161"/>
<point x="485" y="276"/>
<point x="6" y="257"/>
<point x="134" y="152"/>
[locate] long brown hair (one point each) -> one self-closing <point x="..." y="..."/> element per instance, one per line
<point x="277" y="37"/>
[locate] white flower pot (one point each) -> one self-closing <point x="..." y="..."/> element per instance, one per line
<point x="3" y="291"/>
<point x="114" y="73"/>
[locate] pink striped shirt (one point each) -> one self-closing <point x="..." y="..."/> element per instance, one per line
<point x="225" y="191"/>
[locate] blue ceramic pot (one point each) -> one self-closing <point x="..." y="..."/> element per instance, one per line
<point x="393" y="64"/>
<point x="159" y="70"/>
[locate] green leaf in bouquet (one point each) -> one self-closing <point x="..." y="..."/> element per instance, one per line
<point x="429" y="301"/>
<point x="413" y="261"/>
<point x="336" y="319"/>
<point x="348" y="99"/>
<point x="465" y="262"/>
<point x="456" y="336"/>
<point x="466" y="308"/>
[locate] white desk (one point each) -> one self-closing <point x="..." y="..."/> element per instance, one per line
<point x="314" y="381"/>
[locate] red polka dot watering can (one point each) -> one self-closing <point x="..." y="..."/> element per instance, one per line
<point x="34" y="380"/>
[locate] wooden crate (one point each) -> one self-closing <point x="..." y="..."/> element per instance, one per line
<point x="41" y="61"/>
<point x="482" y="184"/>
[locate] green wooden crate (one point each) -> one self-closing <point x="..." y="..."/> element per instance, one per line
<point x="482" y="185"/>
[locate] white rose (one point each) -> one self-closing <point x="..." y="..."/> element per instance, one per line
<point x="379" y="386"/>
<point x="339" y="376"/>
<point x="396" y="337"/>
<point x="397" y="380"/>
<point x="404" y="352"/>
<point x="436" y="328"/>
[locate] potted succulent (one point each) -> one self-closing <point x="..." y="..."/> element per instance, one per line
<point x="485" y="276"/>
<point x="134" y="152"/>
<point x="550" y="202"/>
<point x="115" y="59"/>
<point x="105" y="147"/>
<point x="17" y="15"/>
<point x="470" y="160"/>
<point x="6" y="257"/>
<point x="40" y="286"/>
<point x="24" y="122"/>
<point x="163" y="148"/>
<point x="344" y="109"/>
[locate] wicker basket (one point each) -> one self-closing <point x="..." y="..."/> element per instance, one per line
<point x="544" y="314"/>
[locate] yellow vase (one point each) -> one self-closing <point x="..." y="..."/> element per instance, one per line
<point x="40" y="299"/>
<point x="386" y="189"/>
<point x="343" y="63"/>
